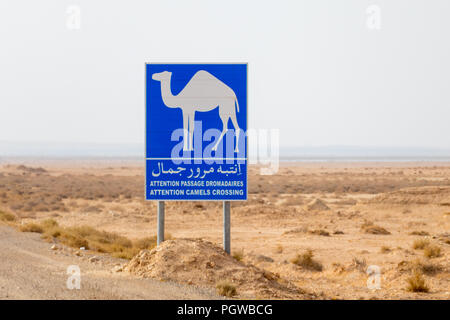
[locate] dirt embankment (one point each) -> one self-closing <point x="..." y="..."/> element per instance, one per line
<point x="199" y="262"/>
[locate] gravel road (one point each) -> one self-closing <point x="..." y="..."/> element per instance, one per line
<point x="30" y="269"/>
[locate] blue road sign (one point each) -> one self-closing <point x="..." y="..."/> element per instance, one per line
<point x="196" y="124"/>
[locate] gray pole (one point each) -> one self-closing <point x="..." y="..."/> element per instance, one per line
<point x="160" y="236"/>
<point x="226" y="227"/>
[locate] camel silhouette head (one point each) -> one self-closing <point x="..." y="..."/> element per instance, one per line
<point x="165" y="75"/>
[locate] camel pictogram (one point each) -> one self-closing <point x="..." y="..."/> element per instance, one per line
<point x="203" y="93"/>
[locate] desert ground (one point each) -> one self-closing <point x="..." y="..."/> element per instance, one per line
<point x="311" y="231"/>
<point x="29" y="270"/>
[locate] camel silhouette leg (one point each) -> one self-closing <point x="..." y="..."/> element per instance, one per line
<point x="185" y="131"/>
<point x="237" y="129"/>
<point x="224" y="130"/>
<point x="191" y="131"/>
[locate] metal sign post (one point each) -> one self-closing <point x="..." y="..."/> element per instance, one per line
<point x="160" y="237"/>
<point x="226" y="227"/>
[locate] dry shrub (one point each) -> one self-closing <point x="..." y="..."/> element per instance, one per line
<point x="296" y="230"/>
<point x="199" y="206"/>
<point x="426" y="267"/>
<point x="374" y="229"/>
<point x="385" y="249"/>
<point x="320" y="232"/>
<point x="148" y="243"/>
<point x="429" y="250"/>
<point x="238" y="255"/>
<point x="49" y="223"/>
<point x="279" y="249"/>
<point x="31" y="227"/>
<point x="419" y="233"/>
<point x="72" y="240"/>
<point x="31" y="169"/>
<point x="92" y="209"/>
<point x="90" y="238"/>
<point x="101" y="241"/>
<point x="225" y="288"/>
<point x="420" y="244"/>
<point x="307" y="262"/>
<point x="338" y="268"/>
<point x="360" y="265"/>
<point x="416" y="283"/>
<point x="432" y="251"/>
<point x="6" y="216"/>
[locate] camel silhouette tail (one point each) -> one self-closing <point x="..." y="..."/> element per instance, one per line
<point x="237" y="103"/>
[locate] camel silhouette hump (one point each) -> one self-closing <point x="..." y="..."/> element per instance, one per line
<point x="204" y="86"/>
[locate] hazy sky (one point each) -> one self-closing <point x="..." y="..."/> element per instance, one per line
<point x="317" y="72"/>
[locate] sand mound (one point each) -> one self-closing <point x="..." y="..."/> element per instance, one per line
<point x="421" y="195"/>
<point x="317" y="205"/>
<point x="198" y="262"/>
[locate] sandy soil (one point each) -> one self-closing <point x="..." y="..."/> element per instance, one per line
<point x="30" y="269"/>
<point x="334" y="209"/>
